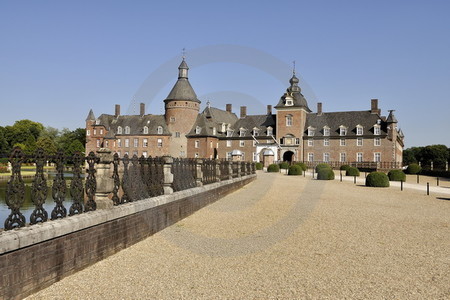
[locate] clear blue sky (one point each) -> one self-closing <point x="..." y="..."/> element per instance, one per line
<point x="58" y="59"/>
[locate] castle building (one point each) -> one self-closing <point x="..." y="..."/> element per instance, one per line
<point x="293" y="133"/>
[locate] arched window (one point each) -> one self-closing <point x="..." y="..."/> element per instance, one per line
<point x="119" y="130"/>
<point x="145" y="130"/>
<point x="160" y="130"/>
<point x="289" y="120"/>
<point x="127" y="129"/>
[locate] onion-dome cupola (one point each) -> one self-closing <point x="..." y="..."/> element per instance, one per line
<point x="293" y="96"/>
<point x="294" y="84"/>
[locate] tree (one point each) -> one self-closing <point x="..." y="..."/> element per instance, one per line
<point x="52" y="133"/>
<point x="75" y="146"/>
<point x="47" y="144"/>
<point x="30" y="145"/>
<point x="4" y="146"/>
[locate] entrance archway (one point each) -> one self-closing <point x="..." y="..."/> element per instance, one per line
<point x="287" y="156"/>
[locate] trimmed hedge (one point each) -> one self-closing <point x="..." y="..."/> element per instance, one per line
<point x="325" y="174"/>
<point x="3" y="169"/>
<point x="302" y="165"/>
<point x="396" y="175"/>
<point x="259" y="166"/>
<point x="322" y="166"/>
<point x="445" y="174"/>
<point x="413" y="169"/>
<point x="295" y="170"/>
<point x="377" y="179"/>
<point x="284" y="165"/>
<point x="344" y="167"/>
<point x="273" y="168"/>
<point x="352" y="171"/>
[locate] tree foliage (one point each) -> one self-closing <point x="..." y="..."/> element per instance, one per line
<point x="438" y="154"/>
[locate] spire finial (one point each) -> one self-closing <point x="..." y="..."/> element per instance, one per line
<point x="183" y="53"/>
<point x="293" y="67"/>
<point x="208" y="104"/>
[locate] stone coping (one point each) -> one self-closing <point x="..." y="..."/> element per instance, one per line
<point x="32" y="234"/>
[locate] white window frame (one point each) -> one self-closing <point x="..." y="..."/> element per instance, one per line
<point x="229" y="133"/>
<point x="342" y="131"/>
<point x="377" y="156"/>
<point x="269" y="131"/>
<point x="229" y="143"/>
<point x="255" y="156"/>
<point x="326" y="157"/>
<point x="377" y="130"/>
<point x="145" y="130"/>
<point x="119" y="143"/>
<point x="359" y="130"/>
<point x="326" y="131"/>
<point x="241" y="143"/>
<point x="127" y="129"/>
<point x="145" y="143"/>
<point x="311" y="131"/>
<point x="310" y="143"/>
<point x="177" y="134"/>
<point x="95" y="131"/>
<point x="145" y="154"/>
<point x="359" y="157"/>
<point x="289" y="120"/>
<point x="198" y="130"/>
<point x="159" y="143"/>
<point x="197" y="144"/>
<point x="377" y="141"/>
<point x="101" y="131"/>
<point x="342" y="157"/>
<point x="160" y="130"/>
<point x="127" y="143"/>
<point x="98" y="143"/>
<point x="342" y="142"/>
<point x="242" y="132"/>
<point x="326" y="142"/>
<point x="359" y="142"/>
<point x="136" y="142"/>
<point x="88" y="132"/>
<point x="310" y="157"/>
<point x="119" y="130"/>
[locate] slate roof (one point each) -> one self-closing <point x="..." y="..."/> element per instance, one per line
<point x="349" y="119"/>
<point x="182" y="90"/>
<point x="250" y="122"/>
<point x="391" y="118"/>
<point x="212" y="117"/>
<point x="90" y="116"/>
<point x="135" y="122"/>
<point x="294" y="92"/>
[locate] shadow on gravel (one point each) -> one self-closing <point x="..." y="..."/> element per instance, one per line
<point x="442" y="198"/>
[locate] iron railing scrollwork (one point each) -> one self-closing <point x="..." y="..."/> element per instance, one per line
<point x="39" y="189"/>
<point x="15" y="192"/>
<point x="116" y="180"/>
<point x="209" y="171"/>
<point x="76" y="186"/>
<point x="59" y="187"/>
<point x="184" y="173"/>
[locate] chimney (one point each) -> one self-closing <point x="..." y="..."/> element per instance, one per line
<point x="269" y="109"/>
<point x="243" y="111"/>
<point x="142" y="109"/>
<point x="374" y="107"/>
<point x="319" y="108"/>
<point x="117" y="113"/>
<point x="229" y="107"/>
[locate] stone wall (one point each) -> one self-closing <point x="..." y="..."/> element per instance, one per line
<point x="34" y="257"/>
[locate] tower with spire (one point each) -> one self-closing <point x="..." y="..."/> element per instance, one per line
<point x="181" y="109"/>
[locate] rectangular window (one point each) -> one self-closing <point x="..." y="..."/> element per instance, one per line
<point x="359" y="142"/>
<point x="241" y="143"/>
<point x="119" y="143"/>
<point x="172" y="119"/>
<point x="311" y="157"/>
<point x="88" y="132"/>
<point x="376" y="130"/>
<point x="269" y="131"/>
<point x="342" y="157"/>
<point x="197" y="144"/>
<point x="145" y="154"/>
<point x="159" y="143"/>
<point x="377" y="141"/>
<point x="101" y="131"/>
<point x="377" y="157"/>
<point x="297" y="141"/>
<point x="229" y="156"/>
<point x="343" y="131"/>
<point x="326" y="142"/>
<point x="359" y="157"/>
<point x="98" y="143"/>
<point x="342" y="142"/>
<point x="326" y="131"/>
<point x="211" y="144"/>
<point x="145" y="143"/>
<point x="242" y="132"/>
<point x="182" y="153"/>
<point x="326" y="157"/>
<point x="229" y="133"/>
<point x="177" y="134"/>
<point x="106" y="144"/>
<point x="255" y="156"/>
<point x="95" y="131"/>
<point x="310" y="142"/>
<point x="229" y="143"/>
<point x="310" y="132"/>
<point x="288" y="120"/>
<point x="136" y="143"/>
<point x="127" y="143"/>
<point x="359" y="130"/>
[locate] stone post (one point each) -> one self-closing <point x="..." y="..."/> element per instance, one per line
<point x="230" y="169"/>
<point x="217" y="170"/>
<point x="199" y="163"/>
<point x="431" y="165"/>
<point x="105" y="182"/>
<point x="239" y="169"/>
<point x="168" y="176"/>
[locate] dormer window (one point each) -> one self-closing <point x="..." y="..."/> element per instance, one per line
<point x="229" y="133"/>
<point x="289" y="101"/>
<point x="269" y="131"/>
<point x="342" y="130"/>
<point x="359" y="130"/>
<point x="224" y="127"/>
<point x="376" y="130"/>
<point x="97" y="122"/>
<point x="311" y="131"/>
<point x="326" y="131"/>
<point x="242" y="132"/>
<point x="198" y="129"/>
<point x="119" y="130"/>
<point x="255" y="131"/>
<point x="127" y="129"/>
<point x="160" y="130"/>
<point x="145" y="130"/>
<point x="214" y="131"/>
<point x="289" y="120"/>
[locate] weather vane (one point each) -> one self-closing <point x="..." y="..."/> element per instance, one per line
<point x="184" y="53"/>
<point x="293" y="68"/>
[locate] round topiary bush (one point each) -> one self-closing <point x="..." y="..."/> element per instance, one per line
<point x="259" y="166"/>
<point x="322" y="166"/>
<point x="352" y="171"/>
<point x="302" y="165"/>
<point x="377" y="179"/>
<point x="273" y="168"/>
<point x="413" y="169"/>
<point x="344" y="167"/>
<point x="396" y="175"/>
<point x="284" y="165"/>
<point x="325" y="174"/>
<point x="295" y="170"/>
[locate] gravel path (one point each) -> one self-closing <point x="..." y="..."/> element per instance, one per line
<point x="285" y="237"/>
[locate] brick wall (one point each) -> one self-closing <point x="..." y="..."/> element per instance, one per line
<point x="33" y="259"/>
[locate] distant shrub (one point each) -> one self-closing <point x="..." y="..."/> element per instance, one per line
<point x="396" y="175"/>
<point x="284" y="165"/>
<point x="3" y="169"/>
<point x="295" y="170"/>
<point x="322" y="166"/>
<point x="445" y="174"/>
<point x="273" y="168"/>
<point x="377" y="179"/>
<point x="344" y="167"/>
<point x="352" y="171"/>
<point x="325" y="174"/>
<point x="413" y="169"/>
<point x="259" y="166"/>
<point x="4" y="160"/>
<point x="302" y="165"/>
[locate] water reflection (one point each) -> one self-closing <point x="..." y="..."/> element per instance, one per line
<point x="28" y="206"/>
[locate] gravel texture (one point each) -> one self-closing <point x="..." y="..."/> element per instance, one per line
<point x="285" y="237"/>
